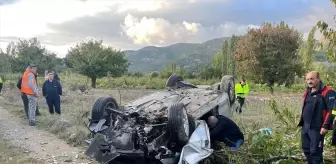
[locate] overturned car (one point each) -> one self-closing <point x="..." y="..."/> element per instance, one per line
<point x="154" y="128"/>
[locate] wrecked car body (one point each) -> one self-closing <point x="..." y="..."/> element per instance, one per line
<point x="155" y="128"/>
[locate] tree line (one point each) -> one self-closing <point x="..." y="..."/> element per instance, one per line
<point x="90" y="58"/>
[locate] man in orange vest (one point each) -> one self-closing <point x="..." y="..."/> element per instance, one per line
<point x="29" y="87"/>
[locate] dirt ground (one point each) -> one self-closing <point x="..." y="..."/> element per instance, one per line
<point x="39" y="144"/>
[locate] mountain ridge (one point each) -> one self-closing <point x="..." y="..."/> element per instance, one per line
<point x="191" y="55"/>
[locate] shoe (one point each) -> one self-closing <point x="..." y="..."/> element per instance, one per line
<point x="31" y="123"/>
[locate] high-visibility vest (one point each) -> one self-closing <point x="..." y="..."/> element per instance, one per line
<point x="0" y="80"/>
<point x="25" y="88"/>
<point x="242" y="90"/>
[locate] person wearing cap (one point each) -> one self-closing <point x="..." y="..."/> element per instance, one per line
<point x="223" y="129"/>
<point x="52" y="90"/>
<point x="241" y="89"/>
<point x="29" y="87"/>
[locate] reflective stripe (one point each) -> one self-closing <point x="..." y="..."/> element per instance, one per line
<point x="241" y="91"/>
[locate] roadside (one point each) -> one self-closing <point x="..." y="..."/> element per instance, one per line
<point x="10" y="154"/>
<point x="39" y="145"/>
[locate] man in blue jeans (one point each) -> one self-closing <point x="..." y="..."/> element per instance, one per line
<point x="225" y="130"/>
<point x="52" y="90"/>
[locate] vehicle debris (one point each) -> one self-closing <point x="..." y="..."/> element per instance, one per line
<point x="155" y="128"/>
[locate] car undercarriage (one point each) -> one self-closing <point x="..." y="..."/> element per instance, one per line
<point x="151" y="130"/>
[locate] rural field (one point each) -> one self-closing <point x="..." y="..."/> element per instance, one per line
<point x="279" y="112"/>
<point x="129" y="50"/>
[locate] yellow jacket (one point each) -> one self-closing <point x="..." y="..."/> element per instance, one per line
<point x="0" y="80"/>
<point x="242" y="91"/>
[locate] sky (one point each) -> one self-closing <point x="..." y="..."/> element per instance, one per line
<point x="133" y="24"/>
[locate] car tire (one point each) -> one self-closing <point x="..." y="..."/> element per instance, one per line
<point x="180" y="126"/>
<point x="192" y="124"/>
<point x="227" y="86"/>
<point x="100" y="109"/>
<point x="173" y="80"/>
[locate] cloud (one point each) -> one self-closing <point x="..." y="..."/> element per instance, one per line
<point x="5" y="2"/>
<point x="324" y="12"/>
<point x="28" y="18"/>
<point x="158" y="31"/>
<point x="136" y="23"/>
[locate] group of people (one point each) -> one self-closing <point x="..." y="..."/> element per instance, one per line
<point x="317" y="116"/>
<point x="51" y="90"/>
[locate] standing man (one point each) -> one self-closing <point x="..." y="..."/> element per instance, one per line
<point x="316" y="118"/>
<point x="52" y="90"/>
<point x="29" y="87"/>
<point x="1" y="83"/>
<point x="25" y="98"/>
<point x="241" y="89"/>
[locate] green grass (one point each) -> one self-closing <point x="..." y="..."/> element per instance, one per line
<point x="10" y="154"/>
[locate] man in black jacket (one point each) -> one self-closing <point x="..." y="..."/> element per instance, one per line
<point x="225" y="130"/>
<point x="316" y="118"/>
<point x="52" y="90"/>
<point x="25" y="98"/>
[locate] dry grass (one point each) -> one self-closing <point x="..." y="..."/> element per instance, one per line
<point x="258" y="114"/>
<point x="10" y="154"/>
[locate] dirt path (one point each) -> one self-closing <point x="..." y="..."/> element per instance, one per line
<point x="39" y="144"/>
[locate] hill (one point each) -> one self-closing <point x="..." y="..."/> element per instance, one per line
<point x="191" y="55"/>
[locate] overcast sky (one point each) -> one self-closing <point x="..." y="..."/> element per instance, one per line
<point x="133" y="24"/>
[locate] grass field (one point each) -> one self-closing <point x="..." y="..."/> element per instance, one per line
<point x="281" y="115"/>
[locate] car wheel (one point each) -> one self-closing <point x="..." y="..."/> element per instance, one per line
<point x="180" y="125"/>
<point x="101" y="110"/>
<point x="173" y="80"/>
<point x="227" y="86"/>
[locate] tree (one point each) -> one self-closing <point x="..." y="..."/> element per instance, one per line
<point x="225" y="59"/>
<point x="217" y="61"/>
<point x="307" y="56"/>
<point x="25" y="52"/>
<point x="94" y="60"/>
<point x="329" y="34"/>
<point x="269" y="54"/>
<point x="233" y="43"/>
<point x="5" y="65"/>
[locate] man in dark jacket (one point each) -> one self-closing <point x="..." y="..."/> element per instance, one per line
<point x="316" y="118"/>
<point x="52" y="90"/>
<point x="25" y="98"/>
<point x="225" y="130"/>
